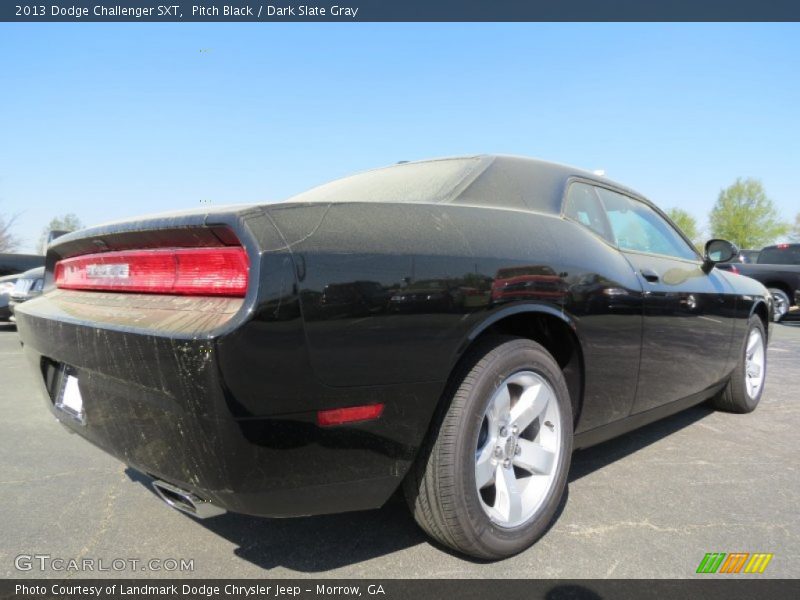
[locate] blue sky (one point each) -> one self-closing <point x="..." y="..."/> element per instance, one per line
<point x="114" y="120"/>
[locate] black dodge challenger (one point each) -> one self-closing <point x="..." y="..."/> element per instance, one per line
<point x="454" y="326"/>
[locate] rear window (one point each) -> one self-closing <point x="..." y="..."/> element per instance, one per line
<point x="780" y="255"/>
<point x="431" y="181"/>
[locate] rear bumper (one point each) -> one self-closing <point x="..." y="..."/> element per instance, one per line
<point x="218" y="417"/>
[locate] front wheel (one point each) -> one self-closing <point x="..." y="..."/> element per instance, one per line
<point x="744" y="389"/>
<point x="494" y="468"/>
<point x="780" y="302"/>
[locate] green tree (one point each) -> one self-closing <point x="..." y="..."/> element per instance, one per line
<point x="795" y="233"/>
<point x="63" y="223"/>
<point x="687" y="223"/>
<point x="8" y="243"/>
<point x="745" y="215"/>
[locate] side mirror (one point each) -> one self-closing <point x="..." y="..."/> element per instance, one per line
<point x="718" y="251"/>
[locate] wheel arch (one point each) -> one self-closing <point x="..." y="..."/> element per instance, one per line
<point x="545" y="325"/>
<point x="761" y="310"/>
<point x="780" y="285"/>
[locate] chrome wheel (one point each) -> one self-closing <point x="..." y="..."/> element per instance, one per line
<point x="518" y="449"/>
<point x="780" y="303"/>
<point x="754" y="363"/>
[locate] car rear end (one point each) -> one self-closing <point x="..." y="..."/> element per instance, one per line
<point x="176" y="344"/>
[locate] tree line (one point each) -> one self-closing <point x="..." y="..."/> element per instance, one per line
<point x="10" y="243"/>
<point x="742" y="214"/>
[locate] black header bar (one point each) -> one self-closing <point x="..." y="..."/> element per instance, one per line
<point x="400" y="10"/>
<point x="732" y="588"/>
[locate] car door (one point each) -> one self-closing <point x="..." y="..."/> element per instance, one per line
<point x="688" y="313"/>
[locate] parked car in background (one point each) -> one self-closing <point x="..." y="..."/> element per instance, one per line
<point x="6" y="285"/>
<point x="28" y="285"/>
<point x="748" y="256"/>
<point x="179" y="348"/>
<point x="11" y="264"/>
<point x="778" y="268"/>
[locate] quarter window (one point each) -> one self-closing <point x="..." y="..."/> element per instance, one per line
<point x="584" y="206"/>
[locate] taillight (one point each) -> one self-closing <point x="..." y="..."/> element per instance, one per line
<point x="186" y="271"/>
<point x="735" y="269"/>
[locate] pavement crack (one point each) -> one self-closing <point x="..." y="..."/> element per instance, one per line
<point x="611" y="569"/>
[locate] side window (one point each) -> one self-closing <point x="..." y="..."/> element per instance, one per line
<point x="583" y="205"/>
<point x="638" y="227"/>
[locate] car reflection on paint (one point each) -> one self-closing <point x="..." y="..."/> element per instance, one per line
<point x="527" y="283"/>
<point x="352" y="299"/>
<point x="427" y="296"/>
<point x="599" y="295"/>
<point x="475" y="298"/>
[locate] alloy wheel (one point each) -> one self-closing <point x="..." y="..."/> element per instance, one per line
<point x="754" y="363"/>
<point x="780" y="303"/>
<point x="518" y="449"/>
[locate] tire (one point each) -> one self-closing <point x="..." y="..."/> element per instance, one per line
<point x="740" y="396"/>
<point x="781" y="302"/>
<point x="472" y="428"/>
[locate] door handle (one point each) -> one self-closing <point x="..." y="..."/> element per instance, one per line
<point x="649" y="275"/>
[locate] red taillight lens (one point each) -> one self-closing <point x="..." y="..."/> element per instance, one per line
<point x="185" y="271"/>
<point x="352" y="414"/>
<point x="735" y="269"/>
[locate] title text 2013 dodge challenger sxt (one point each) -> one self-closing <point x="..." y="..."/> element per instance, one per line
<point x="457" y="326"/>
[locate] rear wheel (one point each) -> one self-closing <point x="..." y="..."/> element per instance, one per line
<point x="781" y="303"/>
<point x="493" y="470"/>
<point x="744" y="389"/>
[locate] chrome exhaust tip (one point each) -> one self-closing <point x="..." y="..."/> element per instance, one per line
<point x="185" y="501"/>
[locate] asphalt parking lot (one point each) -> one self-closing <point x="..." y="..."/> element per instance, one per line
<point x="648" y="504"/>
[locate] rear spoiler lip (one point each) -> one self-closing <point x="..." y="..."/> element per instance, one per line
<point x="153" y="223"/>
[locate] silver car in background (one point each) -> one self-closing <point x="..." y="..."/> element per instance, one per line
<point x="29" y="285"/>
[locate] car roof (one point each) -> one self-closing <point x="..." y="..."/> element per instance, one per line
<point x="481" y="180"/>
